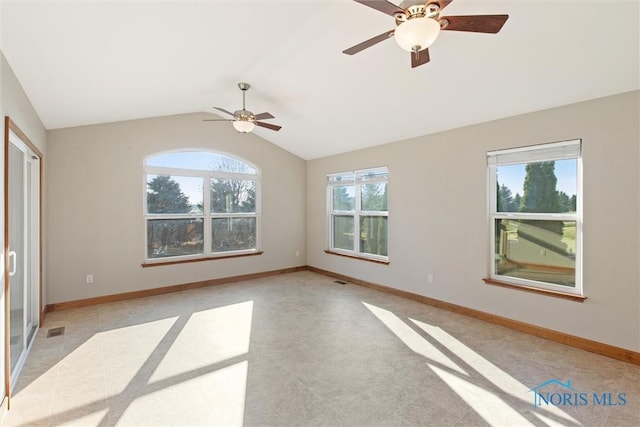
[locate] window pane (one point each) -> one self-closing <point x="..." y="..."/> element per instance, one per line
<point x="200" y="160"/>
<point x="233" y="234"/>
<point x="373" y="235"/>
<point x="177" y="194"/>
<point x="374" y="197"/>
<point x="233" y="195"/>
<point x="343" y="232"/>
<point x="174" y="237"/>
<point x="541" y="250"/>
<point x="344" y="197"/>
<point x="544" y="187"/>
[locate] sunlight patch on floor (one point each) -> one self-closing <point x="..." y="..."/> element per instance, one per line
<point x="489" y="406"/>
<point x="487" y="369"/>
<point x="485" y="403"/>
<point x="412" y="339"/>
<point x="176" y="370"/>
<point x="208" y="337"/>
<point x="212" y="398"/>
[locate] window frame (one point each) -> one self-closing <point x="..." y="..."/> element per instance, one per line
<point x="357" y="181"/>
<point x="206" y="215"/>
<point x="556" y="151"/>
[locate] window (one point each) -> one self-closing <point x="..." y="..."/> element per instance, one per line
<point x="535" y="216"/>
<point x="199" y="205"/>
<point x="358" y="213"/>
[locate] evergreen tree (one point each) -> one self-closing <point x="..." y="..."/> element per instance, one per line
<point x="342" y="200"/>
<point x="564" y="202"/>
<point x="505" y="199"/>
<point x="540" y="193"/>
<point x="517" y="202"/>
<point x="170" y="237"/>
<point x="165" y="196"/>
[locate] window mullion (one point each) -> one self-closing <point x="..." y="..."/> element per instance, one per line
<point x="536" y="216"/>
<point x="356" y="217"/>
<point x="374" y="213"/>
<point x="206" y="207"/>
<point x="174" y="216"/>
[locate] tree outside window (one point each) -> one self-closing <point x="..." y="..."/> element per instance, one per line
<point x="359" y="213"/>
<point x="535" y="216"/>
<point x="200" y="204"/>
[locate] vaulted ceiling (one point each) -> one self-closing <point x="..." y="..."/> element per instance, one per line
<point x="87" y="62"/>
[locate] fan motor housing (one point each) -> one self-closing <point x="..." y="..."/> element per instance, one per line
<point x="419" y="10"/>
<point x="244" y="115"/>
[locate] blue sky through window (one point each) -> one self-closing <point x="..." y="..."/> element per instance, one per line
<point x="566" y="171"/>
<point x="198" y="160"/>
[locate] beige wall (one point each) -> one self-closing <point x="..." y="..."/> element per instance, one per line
<point x="438" y="202"/>
<point x="17" y="105"/>
<point x="438" y="217"/>
<point x="95" y="193"/>
<point x="14" y="103"/>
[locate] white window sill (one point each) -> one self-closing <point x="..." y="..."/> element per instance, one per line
<point x="362" y="258"/>
<point x="173" y="261"/>
<point x="556" y="294"/>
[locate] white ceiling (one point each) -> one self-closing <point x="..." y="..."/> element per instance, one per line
<point x="86" y="62"/>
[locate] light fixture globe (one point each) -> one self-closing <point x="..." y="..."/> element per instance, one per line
<point x="243" y="126"/>
<point x="417" y="34"/>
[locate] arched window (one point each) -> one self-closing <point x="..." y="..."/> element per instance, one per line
<point x="200" y="204"/>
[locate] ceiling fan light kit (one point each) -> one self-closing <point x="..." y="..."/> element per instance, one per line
<point x="419" y="24"/>
<point x="244" y="121"/>
<point x="417" y="34"/>
<point x="243" y="126"/>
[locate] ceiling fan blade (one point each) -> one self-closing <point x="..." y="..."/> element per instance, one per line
<point x="223" y="110"/>
<point x="268" y="125"/>
<point x="381" y="6"/>
<point x="263" y="116"/>
<point x="368" y="43"/>
<point x="441" y="3"/>
<point x="475" y="23"/>
<point x="217" y="120"/>
<point x="419" y="58"/>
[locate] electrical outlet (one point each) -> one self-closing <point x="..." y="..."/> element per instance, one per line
<point x="297" y="253"/>
<point x="88" y="278"/>
<point x="430" y="278"/>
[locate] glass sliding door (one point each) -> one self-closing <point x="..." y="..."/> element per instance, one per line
<point x="17" y="208"/>
<point x="32" y="253"/>
<point x="23" y="275"/>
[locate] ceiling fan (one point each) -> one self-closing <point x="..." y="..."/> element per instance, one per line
<point x="244" y="120"/>
<point x="419" y="24"/>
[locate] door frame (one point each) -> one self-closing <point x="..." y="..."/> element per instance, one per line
<point x="10" y="126"/>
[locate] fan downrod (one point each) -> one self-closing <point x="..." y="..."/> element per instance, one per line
<point x="243" y="114"/>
